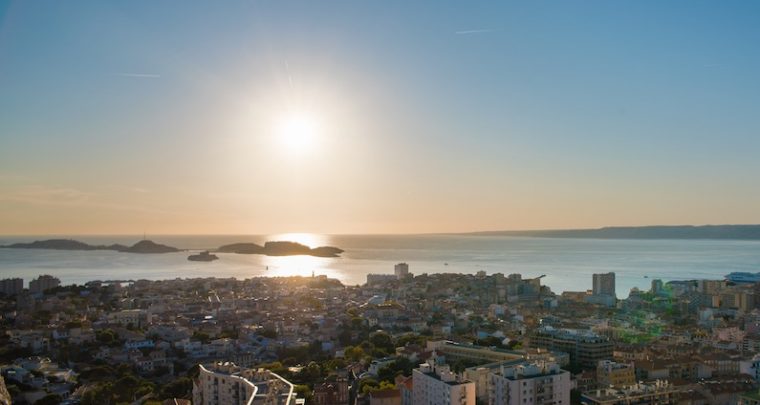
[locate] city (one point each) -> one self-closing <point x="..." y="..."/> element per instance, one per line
<point x="398" y="339"/>
<point x="342" y="202"/>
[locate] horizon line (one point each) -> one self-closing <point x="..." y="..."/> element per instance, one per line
<point x="383" y="233"/>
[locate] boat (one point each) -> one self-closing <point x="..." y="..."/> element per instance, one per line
<point x="202" y="257"/>
<point x="743" y="277"/>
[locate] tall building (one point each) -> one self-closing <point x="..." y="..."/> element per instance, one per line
<point x="401" y="270"/>
<point x="11" y="286"/>
<point x="603" y="292"/>
<point x="604" y="284"/>
<point x="657" y="287"/>
<point x="535" y="383"/>
<point x="43" y="283"/>
<point x="228" y="384"/>
<point x="438" y="385"/>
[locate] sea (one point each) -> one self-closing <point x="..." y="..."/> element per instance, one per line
<point x="566" y="264"/>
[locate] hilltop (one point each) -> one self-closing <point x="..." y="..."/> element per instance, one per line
<point x="729" y="232"/>
<point x="143" y="246"/>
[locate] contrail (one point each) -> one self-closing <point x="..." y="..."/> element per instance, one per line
<point x="139" y="75"/>
<point x="481" y="31"/>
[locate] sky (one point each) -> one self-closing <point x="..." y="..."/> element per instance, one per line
<point x="256" y="117"/>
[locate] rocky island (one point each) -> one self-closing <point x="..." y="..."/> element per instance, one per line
<point x="277" y="248"/>
<point x="143" y="246"/>
<point x="281" y="248"/>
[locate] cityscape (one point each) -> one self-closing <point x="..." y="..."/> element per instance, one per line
<point x="342" y="202"/>
<point x="400" y="338"/>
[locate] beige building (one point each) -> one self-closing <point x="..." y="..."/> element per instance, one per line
<point x="610" y="373"/>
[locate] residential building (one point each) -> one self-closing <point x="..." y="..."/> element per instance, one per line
<point x="603" y="291"/>
<point x="604" y="284"/>
<point x="534" y="383"/>
<point x="11" y="286"/>
<point x="455" y="351"/>
<point x="378" y="279"/>
<point x="658" y="393"/>
<point x="585" y="348"/>
<point x="610" y="373"/>
<point x="43" y="283"/>
<point x="331" y="392"/>
<point x="438" y="385"/>
<point x="228" y="384"/>
<point x="401" y="270"/>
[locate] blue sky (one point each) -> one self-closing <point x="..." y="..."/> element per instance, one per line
<point x="434" y="116"/>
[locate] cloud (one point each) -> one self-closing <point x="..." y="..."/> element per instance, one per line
<point x="46" y="196"/>
<point x="69" y="197"/>
<point x="139" y="75"/>
<point x="478" y="31"/>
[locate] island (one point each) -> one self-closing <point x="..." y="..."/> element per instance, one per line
<point x="281" y="248"/>
<point x="277" y="248"/>
<point x="204" y="256"/>
<point x="143" y="246"/>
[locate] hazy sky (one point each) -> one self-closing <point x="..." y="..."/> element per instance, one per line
<point x="166" y="117"/>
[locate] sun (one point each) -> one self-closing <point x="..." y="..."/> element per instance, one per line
<point x="297" y="132"/>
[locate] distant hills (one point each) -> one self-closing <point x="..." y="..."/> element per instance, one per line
<point x="734" y="232"/>
<point x="279" y="248"/>
<point x="143" y="246"/>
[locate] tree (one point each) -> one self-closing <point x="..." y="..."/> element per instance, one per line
<point x="101" y="394"/>
<point x="382" y="340"/>
<point x="182" y="387"/>
<point x="202" y="336"/>
<point x="49" y="399"/>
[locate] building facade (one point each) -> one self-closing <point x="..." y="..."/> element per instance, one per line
<point x="438" y="385"/>
<point x="11" y="286"/>
<point x="585" y="348"/>
<point x="537" y="383"/>
<point x="43" y="283"/>
<point x="228" y="384"/>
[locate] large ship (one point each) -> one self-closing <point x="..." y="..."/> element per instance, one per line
<point x="743" y="277"/>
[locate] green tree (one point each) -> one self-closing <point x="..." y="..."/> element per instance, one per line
<point x="49" y="399"/>
<point x="182" y="387"/>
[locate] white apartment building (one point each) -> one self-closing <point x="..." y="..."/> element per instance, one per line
<point x="438" y="385"/>
<point x="228" y="384"/>
<point x="530" y="383"/>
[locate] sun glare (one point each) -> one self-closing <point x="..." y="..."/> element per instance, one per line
<point x="297" y="132"/>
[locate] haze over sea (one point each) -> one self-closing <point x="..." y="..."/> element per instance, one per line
<point x="567" y="263"/>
